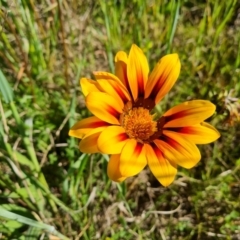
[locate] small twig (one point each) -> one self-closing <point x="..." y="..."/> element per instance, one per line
<point x="162" y="234"/>
<point x="211" y="234"/>
<point x="62" y="125"/>
<point x="83" y="231"/>
<point x="45" y="154"/>
<point x="167" y="212"/>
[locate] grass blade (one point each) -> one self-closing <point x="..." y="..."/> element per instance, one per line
<point x="5" y="88"/>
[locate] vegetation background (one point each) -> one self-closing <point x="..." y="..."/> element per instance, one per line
<point x="48" y="188"/>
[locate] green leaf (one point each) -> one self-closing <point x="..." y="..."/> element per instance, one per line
<point x="12" y="225"/>
<point x="33" y="233"/>
<point x="23" y="160"/>
<point x="24" y="192"/>
<point x="28" y="221"/>
<point x="5" y="88"/>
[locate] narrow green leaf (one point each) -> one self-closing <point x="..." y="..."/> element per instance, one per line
<point x="21" y="219"/>
<point x="23" y="160"/>
<point x="5" y="88"/>
<point x="32" y="233"/>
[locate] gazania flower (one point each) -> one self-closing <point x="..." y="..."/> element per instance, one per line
<point x="125" y="126"/>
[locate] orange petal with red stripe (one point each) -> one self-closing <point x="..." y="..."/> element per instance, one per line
<point x="163" y="77"/>
<point x="178" y="150"/>
<point x="137" y="71"/>
<point x="121" y="61"/>
<point x="104" y="106"/>
<point x="115" y="89"/>
<point x="89" y="143"/>
<point x="202" y="133"/>
<point x="81" y="128"/>
<point x="88" y="86"/>
<point x="106" y="76"/>
<point x="164" y="170"/>
<point x="112" y="140"/>
<point x="113" y="169"/>
<point x="189" y="113"/>
<point x="132" y="158"/>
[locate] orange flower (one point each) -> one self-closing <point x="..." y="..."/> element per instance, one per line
<point x="123" y="124"/>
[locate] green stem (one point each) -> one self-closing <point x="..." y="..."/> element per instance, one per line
<point x="31" y="152"/>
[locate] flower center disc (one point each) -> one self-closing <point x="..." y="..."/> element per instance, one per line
<point x="139" y="124"/>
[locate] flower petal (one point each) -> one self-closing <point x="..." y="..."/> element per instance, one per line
<point x="137" y="71"/>
<point x="81" y="128"/>
<point x="178" y="150"/>
<point x="163" y="77"/>
<point x="189" y="113"/>
<point x="88" y="86"/>
<point x="89" y="143"/>
<point x="115" y="89"/>
<point x="132" y="158"/>
<point x="113" y="169"/>
<point x="106" y="76"/>
<point x="112" y="140"/>
<point x="121" y="60"/>
<point x="104" y="106"/>
<point x="202" y="133"/>
<point x="161" y="168"/>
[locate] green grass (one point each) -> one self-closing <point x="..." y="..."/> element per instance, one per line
<point x="47" y="186"/>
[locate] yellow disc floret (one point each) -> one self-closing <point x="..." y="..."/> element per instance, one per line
<point x="139" y="124"/>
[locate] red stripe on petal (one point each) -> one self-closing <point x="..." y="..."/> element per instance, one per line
<point x="133" y="158"/>
<point x="137" y="71"/>
<point x="187" y="130"/>
<point x="189" y="113"/>
<point x="138" y="148"/>
<point x="140" y="86"/>
<point x="162" y="169"/>
<point x="158" y="86"/>
<point x="176" y="115"/>
<point x="178" y="149"/>
<point x="122" y="137"/>
<point x="126" y="80"/>
<point x="163" y="77"/>
<point x="157" y="151"/>
<point x="112" y="140"/>
<point x="104" y="106"/>
<point x="121" y="94"/>
<point x="172" y="143"/>
<point x="113" y="111"/>
<point x="199" y="134"/>
<point x="98" y="124"/>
